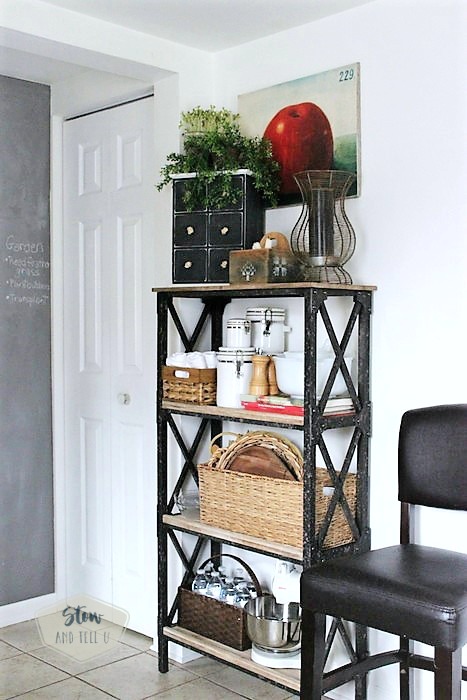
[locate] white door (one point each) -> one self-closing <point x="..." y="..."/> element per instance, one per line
<point x="110" y="268"/>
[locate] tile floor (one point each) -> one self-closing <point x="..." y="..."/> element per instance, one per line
<point x="128" y="672"/>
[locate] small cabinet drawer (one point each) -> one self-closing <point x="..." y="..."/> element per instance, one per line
<point x="189" y="229"/>
<point x="218" y="265"/>
<point x="179" y="187"/>
<point x="225" y="229"/>
<point x="238" y="201"/>
<point x="189" y="265"/>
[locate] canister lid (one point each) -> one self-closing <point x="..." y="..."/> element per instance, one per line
<point x="237" y="323"/>
<point x="262" y="312"/>
<point x="235" y="353"/>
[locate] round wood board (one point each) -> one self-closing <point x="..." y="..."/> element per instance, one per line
<point x="261" y="461"/>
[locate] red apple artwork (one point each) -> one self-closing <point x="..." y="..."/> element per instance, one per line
<point x="301" y="138"/>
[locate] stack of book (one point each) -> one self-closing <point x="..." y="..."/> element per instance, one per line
<point x="339" y="405"/>
<point x="273" y="404"/>
<point x="294" y="407"/>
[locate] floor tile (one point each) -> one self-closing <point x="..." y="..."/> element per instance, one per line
<point x="71" y="689"/>
<point x="6" y="651"/>
<point x="22" y="673"/>
<point x="73" y="667"/>
<point x="199" y="688"/>
<point x="203" y="666"/>
<point x="24" y="636"/>
<point x="248" y="686"/>
<point x="135" y="678"/>
<point x="127" y="672"/>
<point x="138" y="641"/>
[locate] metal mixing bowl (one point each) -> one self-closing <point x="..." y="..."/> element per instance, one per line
<point x="271" y="626"/>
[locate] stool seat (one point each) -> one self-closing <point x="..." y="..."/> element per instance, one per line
<point x="409" y="590"/>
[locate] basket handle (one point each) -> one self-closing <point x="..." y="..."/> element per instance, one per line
<point x="282" y="244"/>
<point x="224" y="432"/>
<point x="256" y="583"/>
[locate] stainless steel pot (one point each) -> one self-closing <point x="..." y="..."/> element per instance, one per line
<point x="271" y="626"/>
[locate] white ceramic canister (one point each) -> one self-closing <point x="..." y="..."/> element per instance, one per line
<point x="267" y="329"/>
<point x="234" y="371"/>
<point x="238" y="333"/>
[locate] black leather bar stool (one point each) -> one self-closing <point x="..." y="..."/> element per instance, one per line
<point x="414" y="591"/>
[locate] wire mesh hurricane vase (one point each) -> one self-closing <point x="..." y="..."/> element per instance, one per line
<point x="323" y="238"/>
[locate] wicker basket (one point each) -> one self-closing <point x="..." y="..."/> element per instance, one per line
<point x="214" y="619"/>
<point x="266" y="507"/>
<point x="189" y="385"/>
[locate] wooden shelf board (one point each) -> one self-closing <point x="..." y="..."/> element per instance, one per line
<point x="229" y="288"/>
<point x="232" y="413"/>
<point x="241" y="659"/>
<point x="189" y="521"/>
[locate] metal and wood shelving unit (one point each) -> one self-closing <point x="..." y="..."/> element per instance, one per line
<point x="313" y="424"/>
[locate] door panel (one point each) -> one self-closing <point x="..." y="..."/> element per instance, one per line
<point x="93" y="530"/>
<point x="90" y="296"/>
<point x="110" y="268"/>
<point x="129" y="161"/>
<point x="90" y="168"/>
<point x="129" y="294"/>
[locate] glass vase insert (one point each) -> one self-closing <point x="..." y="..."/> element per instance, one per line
<point x="323" y="238"/>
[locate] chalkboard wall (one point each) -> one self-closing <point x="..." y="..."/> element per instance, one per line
<point x="26" y="477"/>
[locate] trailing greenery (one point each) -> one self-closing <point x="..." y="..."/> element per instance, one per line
<point x="214" y="148"/>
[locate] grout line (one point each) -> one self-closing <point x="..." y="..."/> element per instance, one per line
<point x="95" y="687"/>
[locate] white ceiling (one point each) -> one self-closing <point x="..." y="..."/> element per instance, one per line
<point x="208" y="25"/>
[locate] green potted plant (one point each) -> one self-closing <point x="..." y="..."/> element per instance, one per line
<point x="214" y="148"/>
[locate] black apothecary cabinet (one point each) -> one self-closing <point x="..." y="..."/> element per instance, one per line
<point x="202" y="239"/>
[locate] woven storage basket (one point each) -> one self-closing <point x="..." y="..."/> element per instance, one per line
<point x="267" y="507"/>
<point x="214" y="619"/>
<point x="189" y="384"/>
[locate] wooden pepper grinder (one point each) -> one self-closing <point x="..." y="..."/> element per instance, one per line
<point x="272" y="380"/>
<point x="259" y="383"/>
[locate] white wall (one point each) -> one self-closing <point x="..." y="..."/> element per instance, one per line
<point x="410" y="219"/>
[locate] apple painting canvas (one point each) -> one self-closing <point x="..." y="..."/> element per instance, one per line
<point x="313" y="123"/>
<point x="301" y="138"/>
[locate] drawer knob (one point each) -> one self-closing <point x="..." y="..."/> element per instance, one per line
<point x="190" y="230"/>
<point x="224" y="230"/>
<point x="224" y="264"/>
<point x="187" y="264"/>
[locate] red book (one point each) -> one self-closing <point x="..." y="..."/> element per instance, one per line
<point x="290" y="410"/>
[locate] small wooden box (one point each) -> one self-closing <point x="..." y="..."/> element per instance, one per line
<point x="189" y="385"/>
<point x="263" y="266"/>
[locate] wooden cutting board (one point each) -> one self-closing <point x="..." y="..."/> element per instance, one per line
<point x="261" y="461"/>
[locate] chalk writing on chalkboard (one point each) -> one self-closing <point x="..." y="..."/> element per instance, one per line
<point x="27" y="272"/>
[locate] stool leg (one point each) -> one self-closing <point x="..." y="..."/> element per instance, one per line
<point x="361" y="648"/>
<point x="448" y="674"/>
<point x="312" y="652"/>
<point x="406" y="680"/>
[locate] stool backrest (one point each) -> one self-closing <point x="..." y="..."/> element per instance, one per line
<point x="433" y="457"/>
